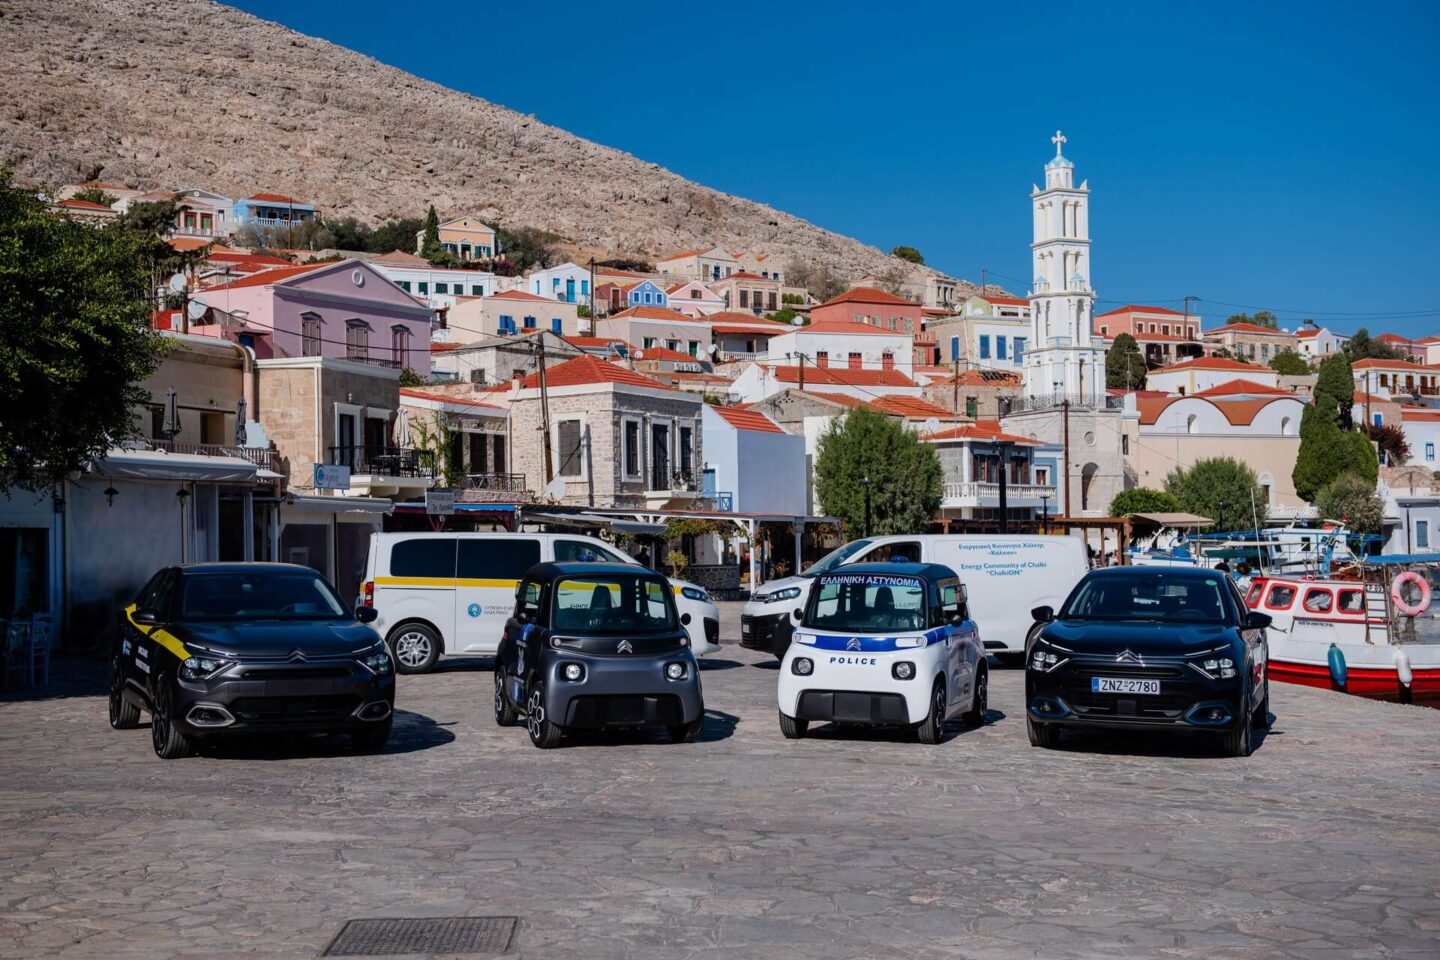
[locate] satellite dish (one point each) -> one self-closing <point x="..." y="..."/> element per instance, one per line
<point x="639" y="354"/>
<point x="555" y="489"/>
<point x="178" y="284"/>
<point x="797" y="322"/>
<point x="195" y="310"/>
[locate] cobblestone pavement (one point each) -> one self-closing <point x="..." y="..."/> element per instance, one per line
<point x="1324" y="844"/>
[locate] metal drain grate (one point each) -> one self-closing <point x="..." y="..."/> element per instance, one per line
<point x="383" y="938"/>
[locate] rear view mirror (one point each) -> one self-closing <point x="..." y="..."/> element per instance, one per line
<point x="685" y="619"/>
<point x="1254" y="620"/>
<point x="147" y="617"/>
<point x="1043" y="614"/>
<point x="366" y="614"/>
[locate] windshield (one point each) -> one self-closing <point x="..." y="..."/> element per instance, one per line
<point x="867" y="603"/>
<point x="616" y="603"/>
<point x="834" y="558"/>
<point x="279" y="594"/>
<point x="1147" y="596"/>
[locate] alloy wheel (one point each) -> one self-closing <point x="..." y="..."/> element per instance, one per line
<point x="160" y="716"/>
<point x="534" y="713"/>
<point x="412" y="648"/>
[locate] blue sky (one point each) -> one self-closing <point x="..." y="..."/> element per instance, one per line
<point x="1257" y="154"/>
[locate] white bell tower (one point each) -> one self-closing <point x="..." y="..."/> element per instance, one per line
<point x="1064" y="356"/>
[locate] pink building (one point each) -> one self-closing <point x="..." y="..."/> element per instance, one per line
<point x="875" y="307"/>
<point x="1145" y="320"/>
<point x="345" y="309"/>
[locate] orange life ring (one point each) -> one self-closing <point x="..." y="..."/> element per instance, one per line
<point x="1398" y="598"/>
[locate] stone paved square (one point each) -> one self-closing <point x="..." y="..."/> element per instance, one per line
<point x="1323" y="844"/>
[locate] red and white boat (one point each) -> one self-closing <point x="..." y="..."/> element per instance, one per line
<point x="1348" y="635"/>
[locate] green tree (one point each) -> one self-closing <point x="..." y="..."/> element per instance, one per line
<point x="1329" y="445"/>
<point x="1353" y="500"/>
<point x="1143" y="500"/>
<point x="1391" y="441"/>
<point x="528" y="247"/>
<point x="1262" y="318"/>
<point x="95" y="195"/>
<point x="395" y="235"/>
<point x="1221" y="488"/>
<point x="908" y="253"/>
<point x="1362" y="346"/>
<point x="1288" y="363"/>
<point x="75" y="336"/>
<point x="1125" y="364"/>
<point x="430" y="247"/>
<point x="784" y="315"/>
<point x="904" y="472"/>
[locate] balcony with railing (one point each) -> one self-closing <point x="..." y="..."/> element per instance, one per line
<point x="381" y="471"/>
<point x="1055" y="401"/>
<point x="493" y="488"/>
<point x="959" y="493"/>
<point x="262" y="457"/>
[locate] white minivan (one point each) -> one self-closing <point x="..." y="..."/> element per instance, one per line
<point x="1005" y="575"/>
<point x="449" y="594"/>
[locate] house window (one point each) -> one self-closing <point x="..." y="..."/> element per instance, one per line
<point x="632" y="448"/>
<point x="822" y="358"/>
<point x="648" y="342"/>
<point x="672" y="345"/>
<point x="568" y="452"/>
<point x="1422" y="534"/>
<point x="694" y="294"/>
<point x="400" y="344"/>
<point x="1125" y="444"/>
<point x="1000" y="348"/>
<point x="309" y="335"/>
<point x="442" y="288"/>
<point x="557" y="326"/>
<point x="887" y="361"/>
<point x="1103" y="330"/>
<point x="686" y="452"/>
<point x="529" y="323"/>
<point x="507" y="324"/>
<point x="984" y="347"/>
<point x="854" y="361"/>
<point x="693" y="348"/>
<point x="1165" y="329"/>
<point x="1018" y="350"/>
<point x="744" y="298"/>
<point x="357" y="340"/>
<point x="1430" y="451"/>
<point x="423" y="286"/>
<point x="770" y="301"/>
<point x="477" y="290"/>
<point x="954" y="349"/>
<point x="1042" y="476"/>
<point x="403" y="285"/>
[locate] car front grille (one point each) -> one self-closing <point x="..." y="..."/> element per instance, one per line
<point x="712" y="630"/>
<point x="294" y="673"/>
<point x="290" y="709"/>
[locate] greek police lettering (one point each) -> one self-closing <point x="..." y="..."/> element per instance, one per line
<point x="871" y="580"/>
<point x="854" y="661"/>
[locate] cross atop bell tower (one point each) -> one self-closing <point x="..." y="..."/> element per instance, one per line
<point x="1059" y="140"/>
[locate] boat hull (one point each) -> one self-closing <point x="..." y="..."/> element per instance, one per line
<point x="1367" y="675"/>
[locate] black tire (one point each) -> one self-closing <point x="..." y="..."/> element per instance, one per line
<point x="169" y="743"/>
<point x="783" y="646"/>
<point x="791" y="728"/>
<point x="1262" y="712"/>
<point x="1007" y="658"/>
<point x="979" y="699"/>
<point x="505" y="712"/>
<point x="931" y="730"/>
<point x="543" y="733"/>
<point x="124" y="715"/>
<point x="1235" y="742"/>
<point x="1042" y="734"/>
<point x="415" y="648"/>
<point x="686" y="732"/>
<point x="372" y="738"/>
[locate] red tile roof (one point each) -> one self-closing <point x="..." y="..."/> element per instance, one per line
<point x="914" y="408"/>
<point x="586" y="370"/>
<point x="1394" y="338"/>
<point x="984" y="430"/>
<point x="1305" y="333"/>
<point x="225" y="255"/>
<point x="267" y="277"/>
<point x="984" y="378"/>
<point x="849" y="327"/>
<point x="747" y="420"/>
<point x="521" y="295"/>
<point x="84" y="205"/>
<point x="869" y="295"/>
<point x="843" y="376"/>
<point x="663" y="353"/>
<point x="1133" y="308"/>
<point x="684" y="253"/>
<point x="1007" y="301"/>
<point x="1212" y="363"/>
<point x="1237" y="412"/>
<point x="276" y="198"/>
<point x="444" y="347"/>
<point x="735" y="316"/>
<point x="1372" y="364"/>
<point x="654" y="313"/>
<point x="1239" y="387"/>
<point x="445" y="398"/>
<point x="595" y="343"/>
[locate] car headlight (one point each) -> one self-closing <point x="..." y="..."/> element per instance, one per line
<point x="802" y="666"/>
<point x="378" y="662"/>
<point x="675" y="671"/>
<point x="789" y="593"/>
<point x="1044" y="658"/>
<point x="1216" y="668"/>
<point x="573" y="672"/>
<point x="694" y="593"/>
<point x="203" y="668"/>
<point x="903" y="670"/>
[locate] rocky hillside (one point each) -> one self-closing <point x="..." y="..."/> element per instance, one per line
<point x="181" y="93"/>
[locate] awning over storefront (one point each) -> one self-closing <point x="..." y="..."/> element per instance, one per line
<point x="317" y="504"/>
<point x="162" y="465"/>
<point x="618" y="524"/>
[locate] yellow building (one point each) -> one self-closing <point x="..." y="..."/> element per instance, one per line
<point x="466" y="238"/>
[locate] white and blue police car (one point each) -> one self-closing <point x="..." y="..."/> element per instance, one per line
<point x="884" y="644"/>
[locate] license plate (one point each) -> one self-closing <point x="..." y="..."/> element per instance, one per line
<point x="744" y="628"/>
<point x="1123" y="685"/>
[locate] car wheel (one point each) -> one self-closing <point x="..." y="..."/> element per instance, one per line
<point x="415" y="647"/>
<point x="932" y="729"/>
<point x="373" y="738"/>
<point x="543" y="733"/>
<point x="686" y="732"/>
<point x="170" y="744"/>
<point x="792" y="729"/>
<point x="1262" y="712"/>
<point x="783" y="646"/>
<point x="505" y="714"/>
<point x="124" y="715"/>
<point x="1236" y="742"/>
<point x="979" y="699"/>
<point x="1042" y="735"/>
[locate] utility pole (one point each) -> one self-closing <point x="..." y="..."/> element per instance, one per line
<point x="800" y="366"/>
<point x="590" y="298"/>
<point x="1065" y="415"/>
<point x="544" y="407"/>
<point x="955" y="389"/>
<point x="982" y="281"/>
<point x="1004" y="499"/>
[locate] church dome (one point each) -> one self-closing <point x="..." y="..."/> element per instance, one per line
<point x="1058" y="161"/>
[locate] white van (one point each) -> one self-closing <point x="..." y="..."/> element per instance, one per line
<point x="1005" y="575"/>
<point x="449" y="594"/>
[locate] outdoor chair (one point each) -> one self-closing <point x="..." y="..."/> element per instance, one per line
<point x="17" y="650"/>
<point x="39" y="657"/>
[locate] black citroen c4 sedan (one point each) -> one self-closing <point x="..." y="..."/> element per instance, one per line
<point x="1149" y="648"/>
<point x="216" y="649"/>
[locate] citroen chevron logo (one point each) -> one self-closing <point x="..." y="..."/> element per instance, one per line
<point x="298" y="656"/>
<point x="624" y="647"/>
<point x="1130" y="656"/>
<point x="854" y="644"/>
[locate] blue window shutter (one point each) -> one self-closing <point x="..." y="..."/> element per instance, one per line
<point x="954" y="349"/>
<point x="1000" y="348"/>
<point x="556" y="326"/>
<point x="1019" y="350"/>
<point x="984" y="347"/>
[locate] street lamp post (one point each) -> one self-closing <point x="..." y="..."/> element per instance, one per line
<point x="866" y="482"/>
<point x="1045" y="512"/>
<point x="1003" y="499"/>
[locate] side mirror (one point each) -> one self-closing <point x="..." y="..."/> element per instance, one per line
<point x="521" y="616"/>
<point x="147" y="617"/>
<point x="685" y="619"/>
<point x="1254" y="620"/>
<point x="956" y="619"/>
<point x="366" y="614"/>
<point x="1043" y="614"/>
<point x="798" y="614"/>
